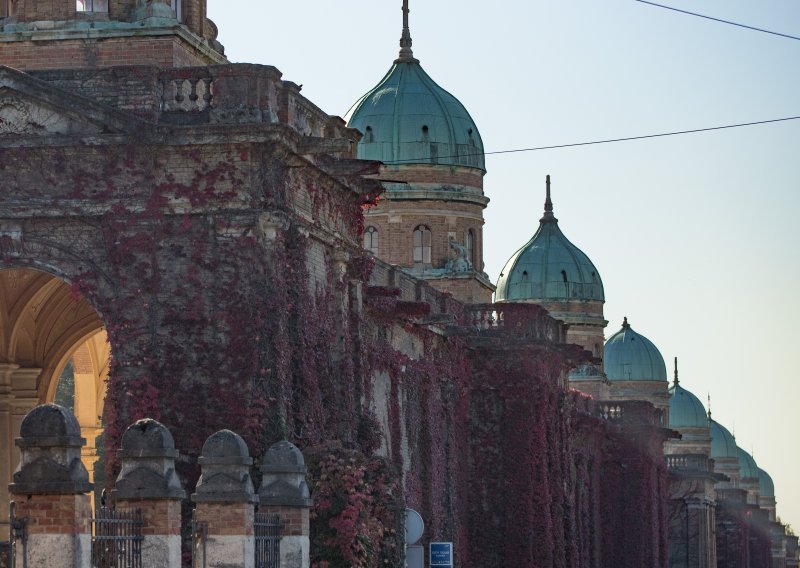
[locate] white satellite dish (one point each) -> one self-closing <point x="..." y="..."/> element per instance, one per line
<point x="414" y="526"/>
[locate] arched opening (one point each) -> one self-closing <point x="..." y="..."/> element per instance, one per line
<point x="371" y="239"/>
<point x="422" y="245"/>
<point x="49" y="336"/>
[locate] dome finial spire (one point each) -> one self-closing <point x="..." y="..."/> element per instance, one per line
<point x="548" y="205"/>
<point x="406" y="55"/>
<point x="676" y="372"/>
<point x="709" y="406"/>
<point x="625" y="323"/>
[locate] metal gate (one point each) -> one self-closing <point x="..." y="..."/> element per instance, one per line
<point x="267" y="529"/>
<point x="117" y="538"/>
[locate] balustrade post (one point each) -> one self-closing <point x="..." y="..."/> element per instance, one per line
<point x="148" y="482"/>
<point x="284" y="492"/>
<point x="225" y="502"/>
<point x="50" y="492"/>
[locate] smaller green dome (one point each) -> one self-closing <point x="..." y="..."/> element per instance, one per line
<point x="629" y="356"/>
<point x="723" y="444"/>
<point x="685" y="409"/>
<point x="766" y="487"/>
<point x="747" y="465"/>
<point x="549" y="268"/>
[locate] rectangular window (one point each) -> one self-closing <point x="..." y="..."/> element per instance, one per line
<point x="91" y="5"/>
<point x="178" y="5"/>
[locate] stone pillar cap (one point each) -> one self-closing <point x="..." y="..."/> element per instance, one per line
<point x="147" y="438"/>
<point x="283" y="481"/>
<point x="284" y="457"/>
<point x="50" y="441"/>
<point x="225" y="448"/>
<point x="50" y="425"/>
<point x="225" y="466"/>
<point x="148" y="464"/>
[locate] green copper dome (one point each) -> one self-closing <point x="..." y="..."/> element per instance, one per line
<point x="685" y="409"/>
<point x="629" y="356"/>
<point x="766" y="487"/>
<point x="549" y="267"/>
<point x="747" y="465"/>
<point x="723" y="444"/>
<point x="409" y="119"/>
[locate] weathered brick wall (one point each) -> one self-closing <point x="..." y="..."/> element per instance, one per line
<point x="294" y="520"/>
<point x="226" y="519"/>
<point x="160" y="516"/>
<point x="396" y="221"/>
<point x="33" y="10"/>
<point x="55" y="514"/>
<point x="165" y="51"/>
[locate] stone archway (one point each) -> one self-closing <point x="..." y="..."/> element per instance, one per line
<point x="44" y="327"/>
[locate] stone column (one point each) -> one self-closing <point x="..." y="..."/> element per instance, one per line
<point x="50" y="491"/>
<point x="226" y="501"/>
<point x="24" y="383"/>
<point x="284" y="492"/>
<point x="148" y="482"/>
<point x="7" y="453"/>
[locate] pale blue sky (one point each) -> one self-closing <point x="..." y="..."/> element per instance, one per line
<point x="696" y="237"/>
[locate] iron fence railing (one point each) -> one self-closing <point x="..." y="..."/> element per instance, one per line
<point x="267" y="529"/>
<point x="117" y="538"/>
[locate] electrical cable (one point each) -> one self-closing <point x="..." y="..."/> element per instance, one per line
<point x="606" y="141"/>
<point x="718" y="20"/>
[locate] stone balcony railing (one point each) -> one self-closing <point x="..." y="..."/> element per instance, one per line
<point x="242" y="94"/>
<point x="514" y="321"/>
<point x="505" y="322"/>
<point x="688" y="462"/>
<point x="629" y="412"/>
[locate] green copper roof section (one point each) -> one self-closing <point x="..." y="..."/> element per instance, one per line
<point x="685" y="409"/>
<point x="747" y="465"/>
<point x="766" y="487"/>
<point x="723" y="444"/>
<point x="630" y="356"/>
<point x="409" y="119"/>
<point x="549" y="267"/>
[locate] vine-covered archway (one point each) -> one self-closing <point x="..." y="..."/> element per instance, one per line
<point x="53" y="345"/>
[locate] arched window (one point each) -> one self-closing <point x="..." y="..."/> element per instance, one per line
<point x="470" y="244"/>
<point x="91" y="5"/>
<point x="371" y="239"/>
<point x="369" y="135"/>
<point x="422" y="245"/>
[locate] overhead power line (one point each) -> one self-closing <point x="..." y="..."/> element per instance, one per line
<point x="606" y="141"/>
<point x="718" y="20"/>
